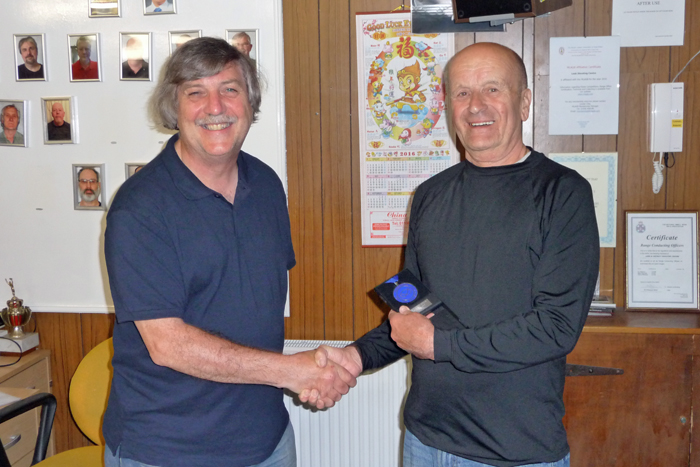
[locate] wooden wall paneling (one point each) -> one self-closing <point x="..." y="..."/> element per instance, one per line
<point x="598" y="22"/>
<point x="567" y="22"/>
<point x="61" y="334"/>
<point x="682" y="179"/>
<point x="370" y="265"/>
<point x="598" y="18"/>
<point x="463" y="39"/>
<point x="512" y="37"/>
<point x="561" y="23"/>
<point x="304" y="167"/>
<point x="695" y="402"/>
<point x="634" y="164"/>
<point x="528" y="56"/>
<point x="634" y="419"/>
<point x="336" y="157"/>
<point x="95" y="328"/>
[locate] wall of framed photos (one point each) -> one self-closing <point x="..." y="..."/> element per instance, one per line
<point x="50" y="246"/>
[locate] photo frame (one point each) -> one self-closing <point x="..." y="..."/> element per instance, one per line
<point x="30" y="57"/>
<point x="104" y="8"/>
<point x="246" y="41"/>
<point x="88" y="187"/>
<point x="60" y="120"/>
<point x="135" y="55"/>
<point x="84" y="57"/>
<point x="130" y="168"/>
<point x="13" y="123"/>
<point x="159" y="7"/>
<point x="177" y="38"/>
<point x="662" y="260"/>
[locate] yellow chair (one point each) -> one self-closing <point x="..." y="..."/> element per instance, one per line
<point x="88" y="394"/>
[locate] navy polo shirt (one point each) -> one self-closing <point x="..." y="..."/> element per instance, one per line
<point x="175" y="248"/>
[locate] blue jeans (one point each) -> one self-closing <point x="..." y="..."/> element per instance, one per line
<point x="417" y="454"/>
<point x="284" y="455"/>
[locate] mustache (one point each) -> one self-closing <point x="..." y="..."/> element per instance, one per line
<point x="216" y="120"/>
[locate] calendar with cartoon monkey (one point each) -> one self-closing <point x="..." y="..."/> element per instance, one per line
<point x="404" y="138"/>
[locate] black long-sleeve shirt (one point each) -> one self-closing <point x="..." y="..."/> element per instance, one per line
<point x="514" y="252"/>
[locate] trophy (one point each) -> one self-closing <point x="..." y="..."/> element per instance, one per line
<point x="15" y="315"/>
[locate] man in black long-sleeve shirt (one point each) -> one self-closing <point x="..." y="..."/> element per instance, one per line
<point x="508" y="240"/>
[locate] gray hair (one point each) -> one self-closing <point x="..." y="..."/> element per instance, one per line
<point x="97" y="174"/>
<point x="239" y="35"/>
<point x="196" y="59"/>
<point x="2" y="114"/>
<point x="28" y="38"/>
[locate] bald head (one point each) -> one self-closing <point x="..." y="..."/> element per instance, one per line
<point x="507" y="56"/>
<point x="58" y="113"/>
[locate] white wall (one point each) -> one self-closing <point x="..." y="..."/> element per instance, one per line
<point x="53" y="252"/>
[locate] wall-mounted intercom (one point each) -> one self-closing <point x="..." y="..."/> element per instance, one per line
<point x="665" y="117"/>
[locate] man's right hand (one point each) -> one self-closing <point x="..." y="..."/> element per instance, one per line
<point x="328" y="382"/>
<point x="348" y="358"/>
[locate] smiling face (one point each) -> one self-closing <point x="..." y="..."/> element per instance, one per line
<point x="407" y="83"/>
<point x="214" y="115"/>
<point x="488" y="103"/>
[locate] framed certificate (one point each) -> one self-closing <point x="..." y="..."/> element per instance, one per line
<point x="662" y="260"/>
<point x="600" y="170"/>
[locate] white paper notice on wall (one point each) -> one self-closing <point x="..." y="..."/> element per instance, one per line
<point x="584" y="85"/>
<point x="648" y="23"/>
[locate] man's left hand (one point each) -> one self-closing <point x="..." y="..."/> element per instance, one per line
<point x="413" y="332"/>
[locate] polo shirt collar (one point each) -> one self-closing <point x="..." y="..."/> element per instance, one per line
<point x="188" y="183"/>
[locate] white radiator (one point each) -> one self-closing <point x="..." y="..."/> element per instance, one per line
<point x="364" y="429"/>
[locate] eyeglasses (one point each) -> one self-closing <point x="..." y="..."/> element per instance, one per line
<point x="86" y="181"/>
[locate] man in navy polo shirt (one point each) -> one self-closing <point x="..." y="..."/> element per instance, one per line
<point x="198" y="247"/>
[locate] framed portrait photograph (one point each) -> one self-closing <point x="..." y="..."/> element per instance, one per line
<point x="83" y="55"/>
<point x="177" y="38"/>
<point x="30" y="57"/>
<point x="104" y="9"/>
<point x="59" y="120"/>
<point x="662" y="260"/>
<point x="131" y="168"/>
<point x="88" y="185"/>
<point x="159" y="7"/>
<point x="245" y="40"/>
<point x="13" y="123"/>
<point x="134" y="54"/>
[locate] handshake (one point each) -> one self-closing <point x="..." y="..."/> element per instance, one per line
<point x="324" y="375"/>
